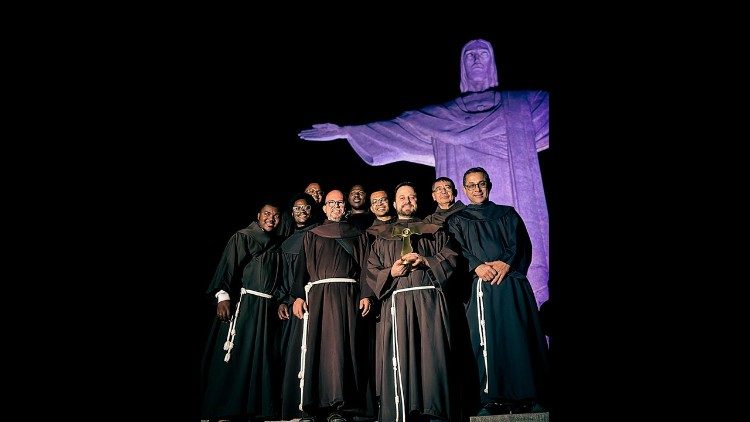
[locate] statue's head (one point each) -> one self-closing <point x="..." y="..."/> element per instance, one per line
<point x="478" y="71"/>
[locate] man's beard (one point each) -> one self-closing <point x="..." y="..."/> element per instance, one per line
<point x="404" y="213"/>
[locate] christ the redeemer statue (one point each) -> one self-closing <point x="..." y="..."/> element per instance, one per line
<point x="501" y="131"/>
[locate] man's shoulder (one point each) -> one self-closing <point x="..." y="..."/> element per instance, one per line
<point x="488" y="211"/>
<point x="338" y="229"/>
<point x="252" y="231"/>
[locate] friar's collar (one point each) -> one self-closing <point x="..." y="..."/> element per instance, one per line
<point x="484" y="204"/>
<point x="336" y="229"/>
<point x="258" y="234"/>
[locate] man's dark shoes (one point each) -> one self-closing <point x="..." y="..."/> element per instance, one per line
<point x="494" y="408"/>
<point x="484" y="411"/>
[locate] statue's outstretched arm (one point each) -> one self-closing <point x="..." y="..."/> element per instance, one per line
<point x="323" y="132"/>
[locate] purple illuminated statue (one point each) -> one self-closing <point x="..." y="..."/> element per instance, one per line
<point x="501" y="131"/>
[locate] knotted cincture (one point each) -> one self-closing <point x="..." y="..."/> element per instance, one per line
<point x="305" y="317"/>
<point x="482" y="332"/>
<point x="232" y="332"/>
<point x="398" y="383"/>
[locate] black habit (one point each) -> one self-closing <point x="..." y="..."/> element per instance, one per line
<point x="517" y="361"/>
<point x="246" y="385"/>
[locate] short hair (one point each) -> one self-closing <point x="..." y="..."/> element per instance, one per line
<point x="270" y="203"/>
<point x="378" y="189"/>
<point x="316" y="211"/>
<point x="400" y="185"/>
<point x="302" y="195"/>
<point x="444" y="179"/>
<point x="357" y="184"/>
<point x="478" y="170"/>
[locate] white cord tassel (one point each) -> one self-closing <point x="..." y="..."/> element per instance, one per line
<point x="398" y="384"/>
<point x="394" y="350"/>
<point x="482" y="332"/>
<point x="229" y="344"/>
<point x="305" y="316"/>
<point x="232" y="331"/>
<point x="303" y="349"/>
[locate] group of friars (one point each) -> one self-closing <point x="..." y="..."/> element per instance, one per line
<point x="366" y="315"/>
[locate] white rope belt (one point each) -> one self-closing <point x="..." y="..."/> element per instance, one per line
<point x="229" y="344"/>
<point x="395" y="360"/>
<point x="482" y="332"/>
<point x="303" y="351"/>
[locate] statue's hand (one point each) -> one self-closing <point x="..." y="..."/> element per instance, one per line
<point x="323" y="132"/>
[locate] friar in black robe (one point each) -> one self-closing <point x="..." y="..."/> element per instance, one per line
<point x="291" y="328"/>
<point x="239" y="377"/>
<point x="424" y="376"/>
<point x="497" y="247"/>
<point x="329" y="285"/>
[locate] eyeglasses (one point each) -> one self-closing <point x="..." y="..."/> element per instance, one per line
<point x="383" y="200"/>
<point x="472" y="186"/>
<point x="335" y="203"/>
<point x="300" y="208"/>
<point x="444" y="189"/>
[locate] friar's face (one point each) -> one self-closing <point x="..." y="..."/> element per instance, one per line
<point x="379" y="203"/>
<point x="406" y="201"/>
<point x="358" y="197"/>
<point x="477" y="187"/>
<point x="443" y="192"/>
<point x="301" y="212"/>
<point x="334" y="205"/>
<point x="313" y="189"/>
<point x="268" y="218"/>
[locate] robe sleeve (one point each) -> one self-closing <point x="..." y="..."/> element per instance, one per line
<point x="454" y="227"/>
<point x="300" y="269"/>
<point x="378" y="273"/>
<point x="517" y="253"/>
<point x="364" y="287"/>
<point x="283" y="293"/>
<point x="443" y="264"/>
<point x="228" y="276"/>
